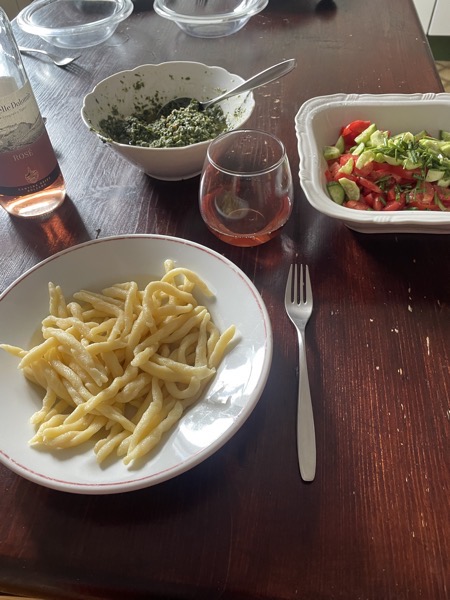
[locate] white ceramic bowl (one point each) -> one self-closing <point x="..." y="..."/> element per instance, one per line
<point x="164" y="82"/>
<point x="209" y="19"/>
<point x="318" y="123"/>
<point x="74" y="23"/>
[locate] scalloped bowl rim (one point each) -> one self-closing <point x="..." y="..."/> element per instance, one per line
<point x="318" y="112"/>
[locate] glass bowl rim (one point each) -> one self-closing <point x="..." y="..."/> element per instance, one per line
<point x="124" y="9"/>
<point x="245" y="13"/>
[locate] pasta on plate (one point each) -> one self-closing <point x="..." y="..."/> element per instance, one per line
<point x="122" y="366"/>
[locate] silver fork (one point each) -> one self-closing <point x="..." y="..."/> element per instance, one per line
<point x="57" y="60"/>
<point x="298" y="301"/>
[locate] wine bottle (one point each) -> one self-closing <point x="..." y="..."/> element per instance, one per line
<point x="31" y="182"/>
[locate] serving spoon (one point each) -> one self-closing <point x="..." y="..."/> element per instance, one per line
<point x="257" y="80"/>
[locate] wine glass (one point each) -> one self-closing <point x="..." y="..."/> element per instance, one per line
<point x="246" y="191"/>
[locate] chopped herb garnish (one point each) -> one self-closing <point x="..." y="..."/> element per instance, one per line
<point x="182" y="127"/>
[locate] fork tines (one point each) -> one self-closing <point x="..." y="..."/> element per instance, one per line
<point x="299" y="286"/>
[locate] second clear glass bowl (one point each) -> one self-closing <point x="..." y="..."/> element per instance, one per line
<point x="209" y="19"/>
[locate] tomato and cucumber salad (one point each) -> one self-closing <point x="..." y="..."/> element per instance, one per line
<point x="370" y="169"/>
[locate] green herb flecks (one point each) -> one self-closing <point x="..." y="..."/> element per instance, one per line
<point x="182" y="127"/>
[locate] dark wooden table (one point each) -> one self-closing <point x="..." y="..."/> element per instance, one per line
<point x="242" y="525"/>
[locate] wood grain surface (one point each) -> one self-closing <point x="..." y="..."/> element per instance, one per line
<point x="242" y="525"/>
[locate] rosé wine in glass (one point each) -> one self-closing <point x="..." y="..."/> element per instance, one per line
<point x="246" y="191"/>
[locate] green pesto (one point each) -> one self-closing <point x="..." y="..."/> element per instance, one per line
<point x="182" y="127"/>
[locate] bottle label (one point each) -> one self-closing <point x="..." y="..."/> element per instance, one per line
<point x="27" y="161"/>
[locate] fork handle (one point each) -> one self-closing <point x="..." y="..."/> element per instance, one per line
<point x="306" y="438"/>
<point x="27" y="50"/>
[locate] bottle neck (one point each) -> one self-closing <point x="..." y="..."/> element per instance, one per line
<point x="12" y="71"/>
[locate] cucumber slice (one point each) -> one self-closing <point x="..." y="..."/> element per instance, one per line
<point x="409" y="165"/>
<point x="379" y="157"/>
<point x="421" y="135"/>
<point x="336" y="192"/>
<point x="401" y="138"/>
<point x="350" y="188"/>
<point x="357" y="150"/>
<point x="364" y="136"/>
<point x="340" y="144"/>
<point x="434" y="175"/>
<point x="391" y="160"/>
<point x="366" y="157"/>
<point x="432" y="146"/>
<point x="347" y="168"/>
<point x="378" y="138"/>
<point x="445" y="149"/>
<point x="331" y="152"/>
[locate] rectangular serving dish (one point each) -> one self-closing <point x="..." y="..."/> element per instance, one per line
<point x="318" y="124"/>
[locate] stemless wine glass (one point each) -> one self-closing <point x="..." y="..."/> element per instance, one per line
<point x="246" y="192"/>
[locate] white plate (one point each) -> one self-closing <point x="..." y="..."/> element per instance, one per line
<point x="203" y="429"/>
<point x="318" y="123"/>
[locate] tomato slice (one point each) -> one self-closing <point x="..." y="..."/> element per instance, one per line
<point x="423" y="205"/>
<point x="443" y="195"/>
<point x="356" y="204"/>
<point x="370" y="185"/>
<point x="344" y="158"/>
<point x="423" y="193"/>
<point x="329" y="175"/>
<point x="369" y="199"/>
<point x="398" y="202"/>
<point x="366" y="170"/>
<point x="378" y="203"/>
<point x="332" y="171"/>
<point x="391" y="195"/>
<point x="409" y="174"/>
<point x="354" y="128"/>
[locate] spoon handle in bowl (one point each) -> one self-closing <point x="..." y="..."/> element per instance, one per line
<point x="262" y="78"/>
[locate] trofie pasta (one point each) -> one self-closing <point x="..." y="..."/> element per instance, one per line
<point x="121" y="366"/>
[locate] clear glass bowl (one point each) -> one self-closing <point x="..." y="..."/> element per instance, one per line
<point x="201" y="18"/>
<point x="74" y="23"/>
